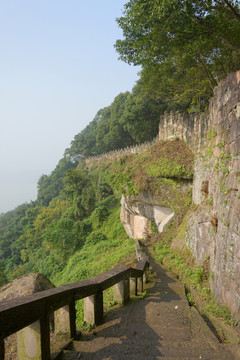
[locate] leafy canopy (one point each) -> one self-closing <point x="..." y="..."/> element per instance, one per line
<point x="185" y="47"/>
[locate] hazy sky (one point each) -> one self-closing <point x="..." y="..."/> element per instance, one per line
<point x="58" y="67"/>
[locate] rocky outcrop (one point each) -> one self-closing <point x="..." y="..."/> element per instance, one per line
<point x="138" y="211"/>
<point x="25" y="285"/>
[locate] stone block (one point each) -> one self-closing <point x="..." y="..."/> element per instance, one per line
<point x="133" y="286"/>
<point x="65" y="320"/>
<point x="122" y="291"/>
<point x="33" y="341"/>
<point x="29" y="342"/>
<point x="93" y="308"/>
<point x="140" y="285"/>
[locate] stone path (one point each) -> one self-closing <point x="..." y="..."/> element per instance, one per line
<point x="160" y="326"/>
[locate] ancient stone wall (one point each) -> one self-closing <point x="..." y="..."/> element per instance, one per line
<point x="213" y="229"/>
<point x="191" y="128"/>
<point x="116" y="154"/>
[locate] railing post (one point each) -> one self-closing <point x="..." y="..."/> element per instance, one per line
<point x="45" y="337"/>
<point x="65" y="320"/>
<point x="72" y="318"/>
<point x="133" y="286"/>
<point x="2" y="350"/>
<point x="140" y="284"/>
<point x="33" y="342"/>
<point x="93" y="308"/>
<point x="146" y="274"/>
<point x="122" y="291"/>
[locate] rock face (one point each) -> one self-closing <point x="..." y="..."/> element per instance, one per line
<point x="213" y="229"/>
<point x="25" y="285"/>
<point x="137" y="212"/>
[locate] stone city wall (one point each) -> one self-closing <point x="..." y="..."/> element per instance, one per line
<point x="213" y="229"/>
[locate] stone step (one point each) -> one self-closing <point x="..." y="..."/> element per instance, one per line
<point x="101" y="343"/>
<point x="71" y="355"/>
<point x="201" y="333"/>
<point x="186" y="350"/>
<point x="161" y="355"/>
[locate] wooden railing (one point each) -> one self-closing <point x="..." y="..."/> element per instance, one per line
<point x="30" y="315"/>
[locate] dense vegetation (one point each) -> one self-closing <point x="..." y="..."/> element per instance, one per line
<point x="65" y="239"/>
<point x="184" y="47"/>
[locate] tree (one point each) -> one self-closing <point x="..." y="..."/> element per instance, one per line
<point x="110" y="134"/>
<point x="152" y="28"/>
<point x="50" y="186"/>
<point x="196" y="41"/>
<point x="80" y="189"/>
<point x="141" y="114"/>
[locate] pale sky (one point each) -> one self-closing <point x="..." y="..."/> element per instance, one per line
<point x="58" y="67"/>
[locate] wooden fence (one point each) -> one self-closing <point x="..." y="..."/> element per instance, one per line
<point x="30" y="315"/>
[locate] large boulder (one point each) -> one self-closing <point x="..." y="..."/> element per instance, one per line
<point x="25" y="285"/>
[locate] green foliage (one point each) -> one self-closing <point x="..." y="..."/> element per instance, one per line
<point x="211" y="134"/>
<point x="104" y="133"/>
<point x="99" y="215"/>
<point x="157" y="170"/>
<point x="220" y="311"/>
<point x="50" y="186"/>
<point x="132" y="118"/>
<point x="120" y="177"/>
<point x="190" y="299"/>
<point x="94" y="238"/>
<point x="184" y="48"/>
<point x="161" y="251"/>
<point x="141" y="113"/>
<point x="153" y="227"/>
<point x="81" y="190"/>
<point x="198" y="275"/>
<point x="102" y="250"/>
<point x="11" y="228"/>
<point x="103" y="191"/>
<point x="165" y="168"/>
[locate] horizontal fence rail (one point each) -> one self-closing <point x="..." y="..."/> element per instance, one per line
<point x="30" y="316"/>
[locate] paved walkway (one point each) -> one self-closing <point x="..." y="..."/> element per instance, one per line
<point x="160" y="326"/>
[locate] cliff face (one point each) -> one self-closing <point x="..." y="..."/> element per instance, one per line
<point x="138" y="211"/>
<point x="213" y="228"/>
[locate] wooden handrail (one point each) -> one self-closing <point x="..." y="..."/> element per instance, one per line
<point x="18" y="313"/>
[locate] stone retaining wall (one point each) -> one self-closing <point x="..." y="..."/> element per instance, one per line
<point x="213" y="229"/>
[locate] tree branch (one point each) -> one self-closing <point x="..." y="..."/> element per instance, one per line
<point x="230" y="9"/>
<point x="215" y="33"/>
<point x="189" y="36"/>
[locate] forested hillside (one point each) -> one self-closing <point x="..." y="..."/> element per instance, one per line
<point x="65" y="240"/>
<point x="184" y="48"/>
<point x="132" y="118"/>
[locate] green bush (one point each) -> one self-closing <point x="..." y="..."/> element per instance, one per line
<point x="95" y="238"/>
